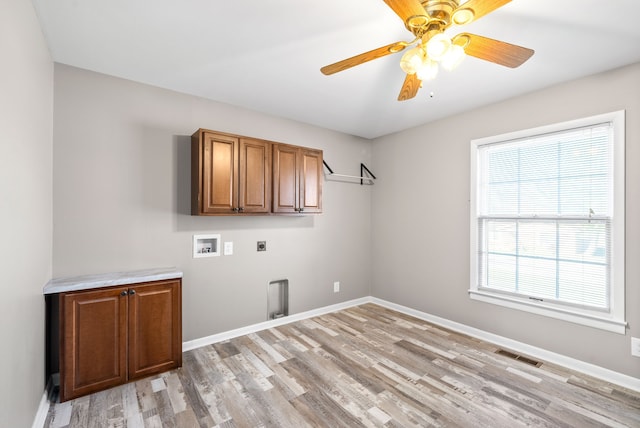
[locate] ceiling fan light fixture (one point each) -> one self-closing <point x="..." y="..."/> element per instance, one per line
<point x="453" y="58"/>
<point x="462" y="16"/>
<point x="428" y="20"/>
<point x="438" y="46"/>
<point x="412" y="60"/>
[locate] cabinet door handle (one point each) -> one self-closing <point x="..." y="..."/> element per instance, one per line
<point x="241" y="209"/>
<point x="132" y="292"/>
<point x="235" y="210"/>
<point x="123" y="293"/>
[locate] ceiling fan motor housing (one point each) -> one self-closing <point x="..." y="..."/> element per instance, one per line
<point x="439" y="16"/>
<point x="440" y="10"/>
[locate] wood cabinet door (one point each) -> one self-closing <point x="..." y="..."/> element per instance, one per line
<point x="155" y="327"/>
<point x="219" y="186"/>
<point x="255" y="176"/>
<point x="93" y="342"/>
<point x="285" y="179"/>
<point x="310" y="181"/>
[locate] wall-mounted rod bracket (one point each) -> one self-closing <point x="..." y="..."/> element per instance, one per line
<point x="363" y="168"/>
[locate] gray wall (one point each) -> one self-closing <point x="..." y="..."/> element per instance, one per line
<point x="26" y="102"/>
<point x="121" y="202"/>
<point x="421" y="216"/>
<point x="120" y="161"/>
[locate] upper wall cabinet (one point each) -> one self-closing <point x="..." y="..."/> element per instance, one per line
<point x="233" y="175"/>
<point x="230" y="174"/>
<point x="297" y="179"/>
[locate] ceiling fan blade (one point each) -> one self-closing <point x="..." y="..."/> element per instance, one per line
<point x="502" y="53"/>
<point x="362" y="58"/>
<point x="405" y="9"/>
<point x="482" y="7"/>
<point x="409" y="87"/>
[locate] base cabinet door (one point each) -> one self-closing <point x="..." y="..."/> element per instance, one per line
<point x="155" y="333"/>
<point x="94" y="341"/>
<point x="114" y="335"/>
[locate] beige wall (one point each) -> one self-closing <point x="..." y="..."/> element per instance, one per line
<point x="121" y="202"/>
<point x="26" y="102"/>
<point x="421" y="216"/>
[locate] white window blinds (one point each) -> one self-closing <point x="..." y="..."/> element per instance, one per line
<point x="544" y="216"/>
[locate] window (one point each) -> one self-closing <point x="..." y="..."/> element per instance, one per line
<point x="547" y="221"/>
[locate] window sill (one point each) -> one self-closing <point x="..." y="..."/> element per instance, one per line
<point x="601" y="322"/>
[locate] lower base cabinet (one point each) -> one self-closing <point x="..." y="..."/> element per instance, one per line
<point x="114" y="335"/>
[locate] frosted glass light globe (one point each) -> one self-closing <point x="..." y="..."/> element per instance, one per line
<point x="428" y="70"/>
<point x="437" y="46"/>
<point x="412" y="60"/>
<point x="454" y="56"/>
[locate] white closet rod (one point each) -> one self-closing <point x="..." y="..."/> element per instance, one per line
<point x="333" y="174"/>
<point x="361" y="177"/>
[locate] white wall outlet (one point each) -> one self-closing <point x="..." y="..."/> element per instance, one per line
<point x="336" y="286"/>
<point x="635" y="347"/>
<point x="228" y="248"/>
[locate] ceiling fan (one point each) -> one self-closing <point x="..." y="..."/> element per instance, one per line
<point x="427" y="20"/>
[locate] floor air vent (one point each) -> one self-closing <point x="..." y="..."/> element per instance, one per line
<point x="519" y="358"/>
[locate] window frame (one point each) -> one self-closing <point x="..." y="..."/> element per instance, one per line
<point x="612" y="320"/>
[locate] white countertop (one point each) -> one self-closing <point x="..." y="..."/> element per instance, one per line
<point x="87" y="282"/>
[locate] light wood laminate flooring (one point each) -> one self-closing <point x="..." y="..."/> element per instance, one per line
<point x="365" y="366"/>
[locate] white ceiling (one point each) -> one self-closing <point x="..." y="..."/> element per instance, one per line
<point x="266" y="55"/>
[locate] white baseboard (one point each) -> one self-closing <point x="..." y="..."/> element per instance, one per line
<point x="204" y="341"/>
<point x="539" y="353"/>
<point x="520" y="347"/>
<point x="43" y="409"/>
